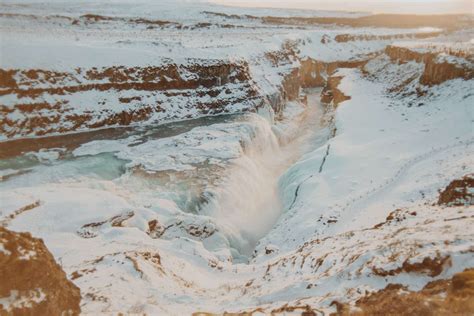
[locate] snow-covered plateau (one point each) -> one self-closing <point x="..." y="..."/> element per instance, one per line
<point x="181" y="157"/>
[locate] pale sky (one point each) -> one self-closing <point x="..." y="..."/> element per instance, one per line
<point x="376" y="6"/>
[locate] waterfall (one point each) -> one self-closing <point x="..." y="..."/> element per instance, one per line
<point x="246" y="202"/>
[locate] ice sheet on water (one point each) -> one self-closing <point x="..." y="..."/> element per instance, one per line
<point x="215" y="144"/>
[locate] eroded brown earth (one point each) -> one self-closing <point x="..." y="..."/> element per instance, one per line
<point x="47" y="101"/>
<point x="453" y="296"/>
<point x="459" y="192"/>
<point x="31" y="282"/>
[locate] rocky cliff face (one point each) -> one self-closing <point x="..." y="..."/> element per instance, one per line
<point x="31" y="282"/>
<point x="414" y="71"/>
<point x="459" y="192"/>
<point x="438" y="67"/>
<point x="314" y="73"/>
<point x="443" y="297"/>
<point x="331" y="94"/>
<point x="40" y="102"/>
<point x="437" y="72"/>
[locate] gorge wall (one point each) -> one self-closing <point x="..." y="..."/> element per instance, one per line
<point x="41" y="102"/>
<point x="37" y="102"/>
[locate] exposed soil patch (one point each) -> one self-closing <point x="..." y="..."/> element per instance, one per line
<point x="25" y="83"/>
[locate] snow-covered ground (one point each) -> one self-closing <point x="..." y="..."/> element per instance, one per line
<point x="258" y="208"/>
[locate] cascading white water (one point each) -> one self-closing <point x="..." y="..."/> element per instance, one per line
<point x="226" y="174"/>
<point x="246" y="203"/>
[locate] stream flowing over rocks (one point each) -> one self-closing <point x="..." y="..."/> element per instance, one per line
<point x="180" y="158"/>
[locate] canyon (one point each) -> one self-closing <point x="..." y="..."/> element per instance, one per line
<point x="182" y="158"/>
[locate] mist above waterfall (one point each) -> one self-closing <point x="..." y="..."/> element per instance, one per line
<point x="246" y="202"/>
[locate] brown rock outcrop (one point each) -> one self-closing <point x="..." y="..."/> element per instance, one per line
<point x="31" y="282"/>
<point x="454" y="296"/>
<point x="134" y="94"/>
<point x="458" y="193"/>
<point x="331" y="93"/>
<point x="438" y="72"/>
<point x="315" y="73"/>
<point x="343" y="38"/>
<point x="291" y="85"/>
<point x="435" y="72"/>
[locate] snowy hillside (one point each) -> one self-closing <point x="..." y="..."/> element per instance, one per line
<point x="181" y="157"/>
